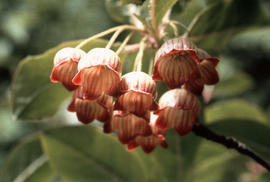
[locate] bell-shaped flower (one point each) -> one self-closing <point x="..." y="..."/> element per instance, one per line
<point x="149" y="143"/>
<point x="127" y="125"/>
<point x="88" y="110"/>
<point x="138" y="94"/>
<point x="65" y="66"/>
<point x="99" y="72"/>
<point x="208" y="72"/>
<point x="176" y="62"/>
<point x="179" y="109"/>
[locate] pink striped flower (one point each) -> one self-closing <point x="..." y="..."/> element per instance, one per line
<point x="179" y="109"/>
<point x="65" y="66"/>
<point x="99" y="72"/>
<point x="149" y="143"/>
<point x="128" y="126"/>
<point x="138" y="94"/>
<point x="88" y="110"/>
<point x="176" y="62"/>
<point x="208" y="72"/>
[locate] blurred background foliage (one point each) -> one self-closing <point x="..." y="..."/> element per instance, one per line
<point x="237" y="31"/>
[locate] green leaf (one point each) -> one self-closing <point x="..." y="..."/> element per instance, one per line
<point x="27" y="163"/>
<point x="255" y="135"/>
<point x="161" y="8"/>
<point x="264" y="178"/>
<point x="98" y="157"/>
<point x="137" y="2"/>
<point x="215" y="26"/>
<point x="234" y="84"/>
<point x="234" y="109"/>
<point x="142" y="20"/>
<point x="117" y="11"/>
<point x="215" y="163"/>
<point x="32" y="88"/>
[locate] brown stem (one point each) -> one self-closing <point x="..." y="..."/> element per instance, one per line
<point x="229" y="142"/>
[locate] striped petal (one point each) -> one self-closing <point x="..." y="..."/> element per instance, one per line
<point x="202" y="55"/>
<point x="181" y="99"/>
<point x="179" y="109"/>
<point x="99" y="72"/>
<point x="176" y="62"/>
<point x="64" y="73"/>
<point x="98" y="80"/>
<point x="138" y="82"/>
<point x="65" y="66"/>
<point x="68" y="54"/>
<point x="149" y="143"/>
<point x="101" y="57"/>
<point x="128" y="126"/>
<point x="88" y="110"/>
<point x="136" y="103"/>
<point x="195" y="86"/>
<point x="208" y="72"/>
<point x="176" y="69"/>
<point x="181" y="120"/>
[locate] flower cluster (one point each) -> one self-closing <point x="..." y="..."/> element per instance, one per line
<point x="135" y="116"/>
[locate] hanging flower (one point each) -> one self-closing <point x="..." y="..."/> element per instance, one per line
<point x="149" y="143"/>
<point x="179" y="109"/>
<point x="138" y="94"/>
<point x="65" y="66"/>
<point x="127" y="126"/>
<point x="99" y="72"/>
<point x="176" y="62"/>
<point x="208" y="72"/>
<point x="88" y="110"/>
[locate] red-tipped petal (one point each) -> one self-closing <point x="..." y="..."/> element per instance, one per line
<point x="176" y="69"/>
<point x="88" y="110"/>
<point x="203" y="55"/>
<point x="161" y="122"/>
<point x="181" y="120"/>
<point x="135" y="102"/>
<point x="138" y="82"/>
<point x="176" y="62"/>
<point x="77" y="79"/>
<point x="64" y="73"/>
<point x="208" y="72"/>
<point x="107" y="127"/>
<point x="68" y="54"/>
<point x="101" y="57"/>
<point x="132" y="145"/>
<point x="179" y="110"/>
<point x="98" y="80"/>
<point x="181" y="99"/>
<point x="128" y="126"/>
<point x="195" y="86"/>
<point x="71" y="106"/>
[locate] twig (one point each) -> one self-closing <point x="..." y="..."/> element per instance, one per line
<point x="229" y="142"/>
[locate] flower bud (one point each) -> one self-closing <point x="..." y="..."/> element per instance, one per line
<point x="99" y="72"/>
<point x="128" y="126"/>
<point x="176" y="62"/>
<point x="65" y="66"/>
<point x="179" y="109"/>
<point x="138" y="94"/>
